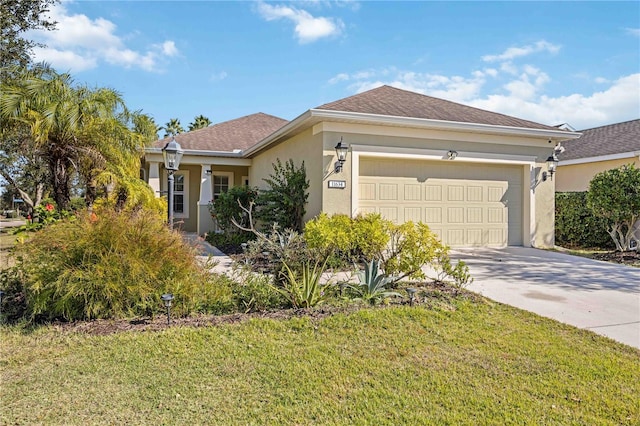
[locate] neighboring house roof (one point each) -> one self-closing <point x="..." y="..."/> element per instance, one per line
<point x="618" y="138"/>
<point x="228" y="136"/>
<point x="387" y="100"/>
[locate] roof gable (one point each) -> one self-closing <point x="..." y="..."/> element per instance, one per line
<point x="238" y="134"/>
<point x="387" y="100"/>
<point x="612" y="139"/>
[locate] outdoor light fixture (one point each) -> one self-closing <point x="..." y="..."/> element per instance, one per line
<point x="207" y="172"/>
<point x="412" y="295"/>
<point x="552" y="165"/>
<point x="341" y="152"/>
<point x="167" y="298"/>
<point x="172" y="154"/>
<point x="451" y="155"/>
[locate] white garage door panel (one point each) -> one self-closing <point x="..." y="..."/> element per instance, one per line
<point x="464" y="204"/>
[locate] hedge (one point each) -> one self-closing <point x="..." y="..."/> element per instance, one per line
<point x="576" y="226"/>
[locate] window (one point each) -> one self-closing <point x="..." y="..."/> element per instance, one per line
<point x="222" y="181"/>
<point x="180" y="193"/>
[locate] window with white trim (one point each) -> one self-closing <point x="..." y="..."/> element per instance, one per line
<point x="180" y="193"/>
<point x="221" y="181"/>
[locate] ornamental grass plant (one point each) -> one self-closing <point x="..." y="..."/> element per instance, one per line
<point x="110" y="264"/>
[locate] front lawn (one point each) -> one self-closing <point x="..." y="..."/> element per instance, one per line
<point x="458" y="363"/>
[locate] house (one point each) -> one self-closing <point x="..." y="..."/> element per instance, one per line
<point x="475" y="176"/>
<point x="598" y="149"/>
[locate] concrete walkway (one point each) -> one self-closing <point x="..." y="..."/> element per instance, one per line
<point x="589" y="294"/>
<point x="223" y="263"/>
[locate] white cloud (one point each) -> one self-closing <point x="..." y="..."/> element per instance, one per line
<point x="521" y="96"/>
<point x="633" y="31"/>
<point x="80" y="43"/>
<point x="218" y="76"/>
<point x="617" y="103"/>
<point x="602" y="80"/>
<point x="517" y="52"/>
<point x="307" y="27"/>
<point x="338" y="78"/>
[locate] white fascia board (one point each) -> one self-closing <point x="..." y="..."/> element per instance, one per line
<point x="199" y="152"/>
<point x="201" y="158"/>
<point x="441" y="154"/>
<point x="609" y="157"/>
<point x="445" y="125"/>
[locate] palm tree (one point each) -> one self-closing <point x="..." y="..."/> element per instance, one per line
<point x="172" y="128"/>
<point x="199" y="122"/>
<point x="77" y="130"/>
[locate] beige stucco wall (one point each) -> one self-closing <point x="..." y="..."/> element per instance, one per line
<point x="302" y="147"/>
<point x="576" y="177"/>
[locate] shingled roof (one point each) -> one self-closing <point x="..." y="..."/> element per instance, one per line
<point x="387" y="100"/>
<point x="612" y="139"/>
<point x="240" y="133"/>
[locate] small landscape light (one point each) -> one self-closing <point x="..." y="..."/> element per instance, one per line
<point x="166" y="299"/>
<point x="411" y="291"/>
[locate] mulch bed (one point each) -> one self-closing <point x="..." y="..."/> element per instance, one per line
<point x="432" y="294"/>
<point x="631" y="258"/>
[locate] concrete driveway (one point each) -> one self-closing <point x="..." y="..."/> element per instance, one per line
<point x="598" y="296"/>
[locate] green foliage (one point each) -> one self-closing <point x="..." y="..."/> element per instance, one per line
<point x="226" y="207"/>
<point x="333" y="237"/>
<point x="199" y="122"/>
<point x="373" y="284"/>
<point x="372" y="235"/>
<point x="403" y="250"/>
<point x="411" y="247"/>
<point x="78" y="133"/>
<point x="576" y="225"/>
<point x="615" y="196"/>
<point x="349" y="240"/>
<point x="114" y="265"/>
<point x="44" y="214"/>
<point x="285" y="200"/>
<point x="303" y="287"/>
<point x="255" y="293"/>
<point x="457" y="275"/>
<point x="17" y="18"/>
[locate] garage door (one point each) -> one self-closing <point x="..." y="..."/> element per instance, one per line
<point x="466" y="204"/>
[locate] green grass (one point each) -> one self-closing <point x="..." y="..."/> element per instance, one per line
<point x="481" y="363"/>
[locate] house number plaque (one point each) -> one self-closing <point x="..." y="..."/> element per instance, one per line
<point x="341" y="184"/>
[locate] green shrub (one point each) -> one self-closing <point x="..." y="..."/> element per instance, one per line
<point x="333" y="238"/>
<point x="372" y="234"/>
<point x="284" y="203"/>
<point x="226" y="208"/>
<point x="114" y="265"/>
<point x="411" y="247"/>
<point x="576" y="226"/>
<point x="255" y="293"/>
<point x="348" y="240"/>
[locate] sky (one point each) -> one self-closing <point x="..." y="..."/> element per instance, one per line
<point x="549" y="62"/>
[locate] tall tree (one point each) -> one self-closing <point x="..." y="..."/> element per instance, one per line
<point x="173" y="127"/>
<point x="16" y="18"/>
<point x="199" y="122"/>
<point x="77" y="130"/>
